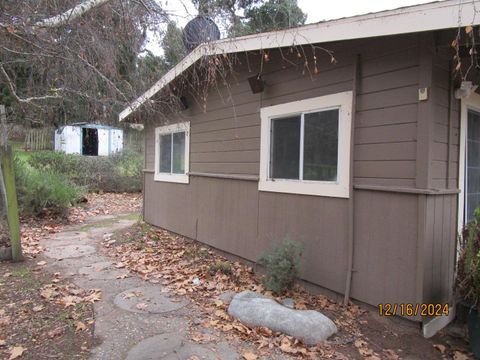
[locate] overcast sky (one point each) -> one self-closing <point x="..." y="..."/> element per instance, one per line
<point x="317" y="10"/>
<point x="343" y="8"/>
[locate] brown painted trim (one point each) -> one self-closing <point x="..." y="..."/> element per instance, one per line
<point x="351" y="214"/>
<point x="425" y="114"/>
<point x="450" y="127"/>
<point x="422" y="234"/>
<point x="225" y="176"/>
<point x="149" y="171"/>
<point x="398" y="189"/>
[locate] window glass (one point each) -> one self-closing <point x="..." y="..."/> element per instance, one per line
<point x="166" y="153"/>
<point x="178" y="157"/>
<point x="320" y="146"/>
<point x="472" y="186"/>
<point x="285" y="151"/>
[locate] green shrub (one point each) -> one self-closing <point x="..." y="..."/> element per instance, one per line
<point x="54" y="162"/>
<point x="117" y="173"/>
<point x="282" y="266"/>
<point x="39" y="189"/>
<point x="468" y="272"/>
<point x="220" y="266"/>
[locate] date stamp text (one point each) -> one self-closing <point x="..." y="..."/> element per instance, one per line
<point x="411" y="309"/>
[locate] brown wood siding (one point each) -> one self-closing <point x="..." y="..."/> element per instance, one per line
<point x="319" y="223"/>
<point x="395" y="234"/>
<point x="439" y="247"/>
<point x="173" y="206"/>
<point x="233" y="216"/>
<point x="385" y="247"/>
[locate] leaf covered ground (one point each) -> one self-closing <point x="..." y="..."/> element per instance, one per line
<point x="43" y="316"/>
<point x="191" y="269"/>
<point x="36" y="319"/>
<point x="33" y="229"/>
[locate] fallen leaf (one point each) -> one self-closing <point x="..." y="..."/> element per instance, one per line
<point x="248" y="355"/>
<point x="390" y="354"/>
<point x="38" y="308"/>
<point x="16" y="352"/>
<point x="48" y="294"/>
<point x="286" y="346"/>
<point x="460" y="356"/>
<point x="95" y="295"/>
<point x="440" y="348"/>
<point x="41" y="263"/>
<point x="141" y="306"/>
<point x="55" y="332"/>
<point x="69" y="300"/>
<point x="80" y="326"/>
<point x="3" y="343"/>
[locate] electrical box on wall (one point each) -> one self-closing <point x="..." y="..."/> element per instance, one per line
<point x="423" y="94"/>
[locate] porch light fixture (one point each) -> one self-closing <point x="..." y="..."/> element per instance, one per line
<point x="257" y="85"/>
<point x="465" y="90"/>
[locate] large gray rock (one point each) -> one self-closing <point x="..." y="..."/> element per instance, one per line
<point x="257" y="310"/>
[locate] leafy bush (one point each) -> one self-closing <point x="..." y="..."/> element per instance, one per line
<point x="282" y="266"/>
<point x="39" y="189"/>
<point x="220" y="266"/>
<point x="468" y="272"/>
<point x="117" y="173"/>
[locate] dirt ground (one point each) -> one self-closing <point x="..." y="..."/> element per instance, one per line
<point x="33" y="326"/>
<point x="35" y="320"/>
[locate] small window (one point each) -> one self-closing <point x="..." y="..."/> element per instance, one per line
<point x="306" y="146"/>
<point x="171" y="153"/>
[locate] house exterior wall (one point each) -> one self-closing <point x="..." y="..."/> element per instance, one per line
<point x="402" y="231"/>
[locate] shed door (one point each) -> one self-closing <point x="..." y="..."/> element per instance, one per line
<point x="103" y="142"/>
<point x="117" y="140"/>
<point x="472" y="165"/>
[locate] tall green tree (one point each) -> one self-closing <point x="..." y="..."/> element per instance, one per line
<point x="172" y="45"/>
<point x="243" y="17"/>
<point x="273" y="15"/>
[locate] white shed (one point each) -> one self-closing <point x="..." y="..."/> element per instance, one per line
<point x="89" y="139"/>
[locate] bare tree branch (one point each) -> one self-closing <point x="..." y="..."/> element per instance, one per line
<point x="70" y="14"/>
<point x="11" y="86"/>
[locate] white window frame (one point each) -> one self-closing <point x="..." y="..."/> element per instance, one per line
<point x="171" y="129"/>
<point x="470" y="103"/>
<point x="339" y="188"/>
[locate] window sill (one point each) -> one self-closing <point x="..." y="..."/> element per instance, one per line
<point x="313" y="188"/>
<point x="172" y="178"/>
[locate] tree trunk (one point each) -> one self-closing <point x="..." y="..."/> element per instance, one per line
<point x="12" y="205"/>
<point x="7" y="187"/>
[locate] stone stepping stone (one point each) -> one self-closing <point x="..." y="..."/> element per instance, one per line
<point x="173" y="347"/>
<point x="103" y="270"/>
<point x="147" y="299"/>
<point x="69" y="251"/>
<point x="69" y="236"/>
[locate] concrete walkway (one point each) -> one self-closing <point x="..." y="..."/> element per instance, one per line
<point x="134" y="319"/>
